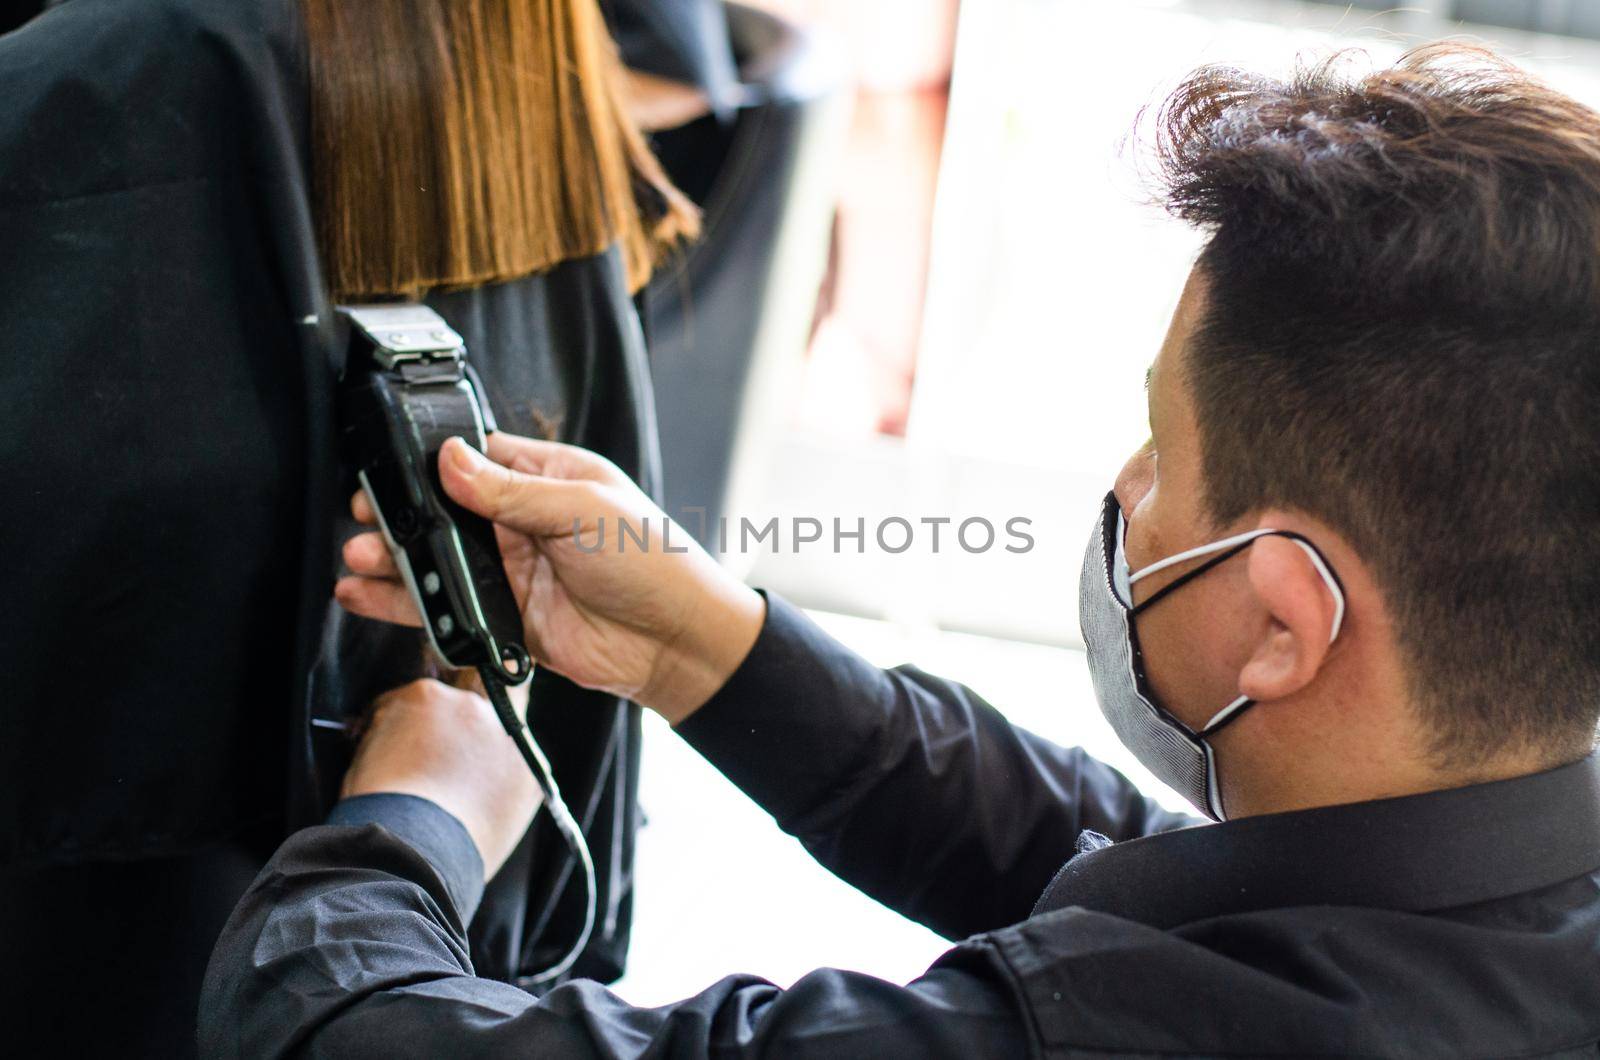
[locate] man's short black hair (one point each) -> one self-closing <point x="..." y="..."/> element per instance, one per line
<point x="1401" y="337"/>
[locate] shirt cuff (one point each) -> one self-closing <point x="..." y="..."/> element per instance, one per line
<point x="431" y="831"/>
<point x="776" y="728"/>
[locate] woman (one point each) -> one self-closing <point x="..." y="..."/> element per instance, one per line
<point x="186" y="188"/>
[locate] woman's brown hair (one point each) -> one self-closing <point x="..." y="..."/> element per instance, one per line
<point x="460" y="142"/>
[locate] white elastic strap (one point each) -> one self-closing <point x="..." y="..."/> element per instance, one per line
<point x="1333" y="587"/>
<point x="1224" y="714"/>
<point x="1239" y="539"/>
<point x="1196" y="553"/>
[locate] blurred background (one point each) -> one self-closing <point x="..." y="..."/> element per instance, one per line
<point x="930" y="287"/>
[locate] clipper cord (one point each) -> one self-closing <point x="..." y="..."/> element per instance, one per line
<point x="539" y="765"/>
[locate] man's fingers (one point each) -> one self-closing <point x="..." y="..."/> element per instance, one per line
<point x="368" y="556"/>
<point x="532" y="456"/>
<point x="524" y="454"/>
<point x="533" y="504"/>
<point x="361" y="508"/>
<point x="376" y="598"/>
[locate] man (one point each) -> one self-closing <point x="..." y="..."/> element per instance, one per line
<point x="1347" y="599"/>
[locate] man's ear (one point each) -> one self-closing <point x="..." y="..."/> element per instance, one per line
<point x="1300" y="610"/>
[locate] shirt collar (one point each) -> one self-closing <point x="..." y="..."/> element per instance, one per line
<point x="1415" y="853"/>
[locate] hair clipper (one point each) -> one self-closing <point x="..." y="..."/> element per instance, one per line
<point x="406" y="389"/>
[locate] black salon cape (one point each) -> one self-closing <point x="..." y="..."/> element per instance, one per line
<point x="171" y="505"/>
<point x="1461" y="923"/>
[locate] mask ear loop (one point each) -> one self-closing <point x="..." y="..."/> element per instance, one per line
<point x="1335" y="588"/>
<point x="1330" y="578"/>
<point x="1225" y="550"/>
<point x="1202" y="550"/>
<point x="1184" y="579"/>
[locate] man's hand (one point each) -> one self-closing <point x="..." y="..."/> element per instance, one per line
<point x="445" y="744"/>
<point x="665" y="629"/>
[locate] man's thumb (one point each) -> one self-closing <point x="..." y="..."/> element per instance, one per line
<point x="533" y="504"/>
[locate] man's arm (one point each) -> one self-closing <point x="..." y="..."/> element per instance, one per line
<point x="905" y="785"/>
<point x="908" y="787"/>
<point x="352" y="943"/>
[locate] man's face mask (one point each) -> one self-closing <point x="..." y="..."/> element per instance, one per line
<point x="1179" y="756"/>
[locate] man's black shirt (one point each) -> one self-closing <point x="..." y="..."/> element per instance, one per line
<point x="1457" y="923"/>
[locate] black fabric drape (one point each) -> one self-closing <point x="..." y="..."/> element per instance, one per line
<point x="172" y="506"/>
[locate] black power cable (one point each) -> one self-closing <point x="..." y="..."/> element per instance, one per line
<point x="566" y="824"/>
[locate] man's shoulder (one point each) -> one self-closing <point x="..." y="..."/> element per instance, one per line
<point x="1326" y="979"/>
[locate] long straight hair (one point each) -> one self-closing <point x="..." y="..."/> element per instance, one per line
<point x="461" y="142"/>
